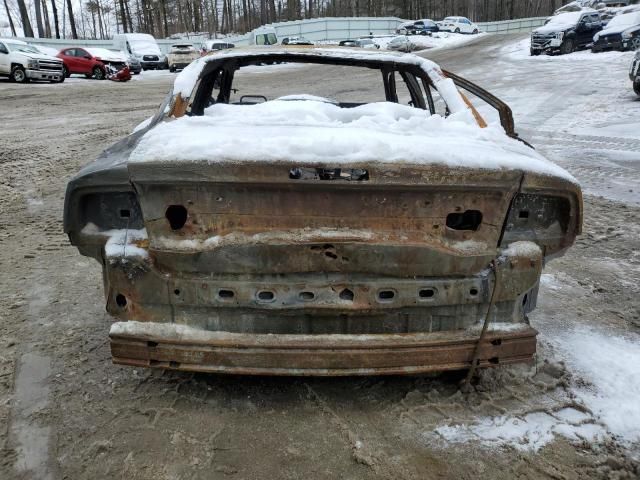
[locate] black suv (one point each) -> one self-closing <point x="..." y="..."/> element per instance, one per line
<point x="566" y="32"/>
<point x="634" y="73"/>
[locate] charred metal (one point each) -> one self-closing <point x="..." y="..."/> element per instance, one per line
<point x="265" y="268"/>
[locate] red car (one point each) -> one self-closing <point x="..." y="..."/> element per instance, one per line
<point x="91" y="62"/>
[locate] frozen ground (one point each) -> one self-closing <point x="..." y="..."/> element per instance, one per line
<point x="68" y="413"/>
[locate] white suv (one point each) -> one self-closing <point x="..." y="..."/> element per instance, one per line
<point x="458" y="25"/>
<point x="21" y="62"/>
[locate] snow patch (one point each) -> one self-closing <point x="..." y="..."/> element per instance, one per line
<point x="522" y="249"/>
<point x="121" y="242"/>
<point x="322" y="133"/>
<point x="609" y="364"/>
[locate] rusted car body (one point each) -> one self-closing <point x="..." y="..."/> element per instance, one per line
<point x="303" y="268"/>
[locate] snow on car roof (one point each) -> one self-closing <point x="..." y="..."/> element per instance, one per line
<point x="568" y="18"/>
<point x="321" y="133"/>
<point x="105" y="54"/>
<point x="187" y="79"/>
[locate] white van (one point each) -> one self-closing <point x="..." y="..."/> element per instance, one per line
<point x="263" y="36"/>
<point x="142" y="46"/>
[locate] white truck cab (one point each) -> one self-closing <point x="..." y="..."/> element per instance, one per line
<point x="143" y="47"/>
<point x="21" y="62"/>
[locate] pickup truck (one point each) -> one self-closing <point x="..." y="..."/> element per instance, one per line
<point x="21" y="63"/>
<point x="566" y="32"/>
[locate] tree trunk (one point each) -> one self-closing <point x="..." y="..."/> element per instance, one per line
<point x="24" y="16"/>
<point x="54" y="9"/>
<point x="39" y="19"/>
<point x="123" y="17"/>
<point x="13" y="27"/>
<point x="45" y="17"/>
<point x="72" y="21"/>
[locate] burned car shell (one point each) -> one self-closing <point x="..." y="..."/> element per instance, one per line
<point x="403" y="300"/>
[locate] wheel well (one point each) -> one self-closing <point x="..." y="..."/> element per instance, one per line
<point x="15" y="64"/>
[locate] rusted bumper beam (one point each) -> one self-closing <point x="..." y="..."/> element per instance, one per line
<point x="170" y="346"/>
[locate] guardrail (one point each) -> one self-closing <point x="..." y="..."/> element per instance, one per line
<point x="512" y="26"/>
<point x="315" y="29"/>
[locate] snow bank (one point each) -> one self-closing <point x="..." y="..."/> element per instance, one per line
<point x="322" y="133"/>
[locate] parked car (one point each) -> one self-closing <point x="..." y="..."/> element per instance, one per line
<point x="90" y="62"/>
<point x="144" y="47"/>
<point x="180" y="55"/>
<point x="22" y="62"/>
<point x="218" y="45"/>
<point x="134" y="64"/>
<point x="367" y="43"/>
<point x="419" y="27"/>
<point x="401" y="44"/>
<point x="296" y="41"/>
<point x="566" y="32"/>
<point x="621" y="33"/>
<point x="458" y="25"/>
<point x="634" y="73"/>
<point x="425" y="255"/>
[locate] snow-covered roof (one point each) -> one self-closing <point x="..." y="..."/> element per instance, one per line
<point x="187" y="79"/>
<point x="107" y="55"/>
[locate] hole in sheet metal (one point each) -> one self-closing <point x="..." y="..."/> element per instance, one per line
<point x="225" y="294"/>
<point x="473" y="292"/>
<point x="307" y="296"/>
<point x="125" y="213"/>
<point x="266" y="296"/>
<point x="496" y="342"/>
<point x="346" y="294"/>
<point x="426" y="293"/>
<point x="121" y="300"/>
<point x="176" y="215"/>
<point x="467" y="220"/>
<point x="176" y="292"/>
<point x="386" y="295"/>
<point x="523" y="214"/>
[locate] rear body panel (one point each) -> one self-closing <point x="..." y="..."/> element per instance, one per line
<point x="278" y="267"/>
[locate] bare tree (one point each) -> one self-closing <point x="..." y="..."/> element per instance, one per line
<point x="72" y="20"/>
<point x="13" y="27"/>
